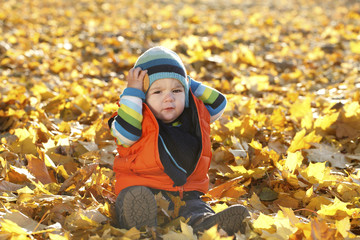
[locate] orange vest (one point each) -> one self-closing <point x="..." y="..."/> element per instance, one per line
<point x="140" y="164"/>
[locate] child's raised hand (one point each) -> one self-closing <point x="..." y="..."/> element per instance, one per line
<point x="135" y="78"/>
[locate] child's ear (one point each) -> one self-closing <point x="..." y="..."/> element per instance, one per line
<point x="146" y="83"/>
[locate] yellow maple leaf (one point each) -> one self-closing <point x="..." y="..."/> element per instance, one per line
<point x="316" y="170"/>
<point x="11" y="227"/>
<point x="58" y="237"/>
<point x="83" y="102"/>
<point x="307" y="121"/>
<point x="351" y="109"/>
<point x="22" y="133"/>
<point x="343" y="226"/>
<point x="248" y="128"/>
<point x="258" y="82"/>
<point x="324" y="122"/>
<point x="309" y="192"/>
<point x="246" y="55"/>
<point x="41" y="90"/>
<point x="198" y="54"/>
<point x="277" y="118"/>
<point x="233" y="124"/>
<point x="249" y="108"/>
<point x="18" y="113"/>
<point x="213" y="234"/>
<point x="290" y="178"/>
<point x="298" y="141"/>
<point x="110" y="107"/>
<point x="355" y="47"/>
<point x="239" y="170"/>
<point x="299" y="194"/>
<point x="65" y="127"/>
<point x="256" y="145"/>
<point x="289" y="213"/>
<point x="334" y="208"/>
<point x="170" y="43"/>
<point x="24" y="190"/>
<point x="283" y="225"/>
<point x="301" y="108"/>
<point x="348" y="191"/>
<point x="219" y="207"/>
<point x="175" y="235"/>
<point x="321" y="230"/>
<point x="264" y="222"/>
<point x="316" y="203"/>
<point x="301" y="141"/>
<point x="293" y="161"/>
<point x="133" y="233"/>
<point x="187" y="11"/>
<point x="292" y="75"/>
<point x="187" y="230"/>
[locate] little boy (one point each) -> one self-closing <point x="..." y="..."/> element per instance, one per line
<point x="162" y="130"/>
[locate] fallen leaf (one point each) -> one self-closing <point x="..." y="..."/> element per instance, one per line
<point x="38" y="168"/>
<point x="326" y="153"/>
<point x="343" y="226"/>
<point x="293" y="161"/>
<point x="264" y="222"/>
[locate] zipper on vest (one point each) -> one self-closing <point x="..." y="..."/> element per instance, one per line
<point x="181" y="191"/>
<point x="171" y="157"/>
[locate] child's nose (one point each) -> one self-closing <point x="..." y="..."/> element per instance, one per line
<point x="169" y="97"/>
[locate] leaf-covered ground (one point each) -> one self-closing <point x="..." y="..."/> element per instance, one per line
<point x="287" y="146"/>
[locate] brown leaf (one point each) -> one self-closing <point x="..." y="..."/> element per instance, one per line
<point x="78" y="178"/>
<point x="7" y="186"/>
<point x="38" y="168"/>
<point x="320" y="230"/>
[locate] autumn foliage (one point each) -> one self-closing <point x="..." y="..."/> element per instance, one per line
<point x="287" y="146"/>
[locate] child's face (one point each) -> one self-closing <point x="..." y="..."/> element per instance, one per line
<point x="166" y="99"/>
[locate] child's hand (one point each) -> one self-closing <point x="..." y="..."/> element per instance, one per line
<point x="135" y="78"/>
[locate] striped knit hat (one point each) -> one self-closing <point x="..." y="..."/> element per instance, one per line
<point x="163" y="63"/>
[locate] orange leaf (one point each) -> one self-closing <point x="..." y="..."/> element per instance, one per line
<point x="320" y="230"/>
<point x="38" y="168"/>
<point x="217" y="192"/>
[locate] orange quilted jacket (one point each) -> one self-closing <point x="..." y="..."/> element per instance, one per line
<point x="140" y="163"/>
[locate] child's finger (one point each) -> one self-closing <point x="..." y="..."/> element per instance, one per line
<point x="137" y="71"/>
<point x="130" y="74"/>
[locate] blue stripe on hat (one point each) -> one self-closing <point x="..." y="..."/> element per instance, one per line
<point x="160" y="61"/>
<point x="161" y="75"/>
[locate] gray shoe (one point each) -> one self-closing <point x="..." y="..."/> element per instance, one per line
<point x="230" y="220"/>
<point x="138" y="208"/>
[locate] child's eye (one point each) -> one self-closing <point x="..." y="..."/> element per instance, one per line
<point x="177" y="90"/>
<point x="157" y="92"/>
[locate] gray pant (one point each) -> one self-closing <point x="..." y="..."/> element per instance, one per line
<point x="194" y="207"/>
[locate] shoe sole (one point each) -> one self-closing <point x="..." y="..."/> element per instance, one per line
<point x="139" y="208"/>
<point x="230" y="220"/>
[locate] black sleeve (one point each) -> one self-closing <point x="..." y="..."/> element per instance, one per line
<point x="110" y="121"/>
